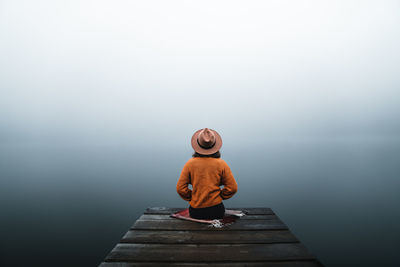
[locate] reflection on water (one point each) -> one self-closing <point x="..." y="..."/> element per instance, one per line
<point x="70" y="204"/>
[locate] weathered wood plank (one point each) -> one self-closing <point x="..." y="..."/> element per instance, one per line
<point x="258" y="239"/>
<point x="209" y="237"/>
<point x="209" y="253"/>
<point x="250" y="211"/>
<point x="230" y="264"/>
<point x="187" y="225"/>
<point x="168" y="217"/>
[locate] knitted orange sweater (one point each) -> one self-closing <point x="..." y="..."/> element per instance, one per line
<point x="206" y="175"/>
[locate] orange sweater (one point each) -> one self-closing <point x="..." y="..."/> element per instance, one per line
<point x="206" y="175"/>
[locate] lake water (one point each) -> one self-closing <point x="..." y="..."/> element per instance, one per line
<point x="68" y="204"/>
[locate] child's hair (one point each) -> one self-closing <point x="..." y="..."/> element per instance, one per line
<point x="215" y="155"/>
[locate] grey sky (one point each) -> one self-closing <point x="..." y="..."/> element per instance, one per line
<point x="96" y="70"/>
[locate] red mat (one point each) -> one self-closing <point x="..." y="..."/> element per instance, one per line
<point x="230" y="217"/>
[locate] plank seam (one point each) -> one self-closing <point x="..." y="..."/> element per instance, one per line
<point x="217" y="229"/>
<point x="196" y="243"/>
<point x="212" y="262"/>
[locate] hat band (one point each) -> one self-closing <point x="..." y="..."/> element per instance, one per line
<point x="205" y="147"/>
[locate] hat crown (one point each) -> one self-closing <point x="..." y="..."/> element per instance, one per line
<point x="206" y="141"/>
<point x="206" y="138"/>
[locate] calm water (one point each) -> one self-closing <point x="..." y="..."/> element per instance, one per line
<point x="69" y="204"/>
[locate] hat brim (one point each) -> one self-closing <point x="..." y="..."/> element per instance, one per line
<point x="216" y="147"/>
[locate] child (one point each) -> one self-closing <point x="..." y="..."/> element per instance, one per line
<point x="206" y="172"/>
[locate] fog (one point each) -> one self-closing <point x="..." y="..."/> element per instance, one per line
<point x="104" y="71"/>
<point x="99" y="100"/>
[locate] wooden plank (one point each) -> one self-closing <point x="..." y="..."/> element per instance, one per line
<point x="258" y="239"/>
<point x="168" y="217"/>
<point x="230" y="264"/>
<point x="250" y="211"/>
<point x="209" y="253"/>
<point x="209" y="237"/>
<point x="179" y="225"/>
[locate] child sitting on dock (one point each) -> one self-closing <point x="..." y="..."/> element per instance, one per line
<point x="206" y="172"/>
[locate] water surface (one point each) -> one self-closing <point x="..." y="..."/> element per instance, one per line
<point x="69" y="204"/>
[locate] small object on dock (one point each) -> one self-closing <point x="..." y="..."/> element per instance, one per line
<point x="230" y="217"/>
<point x="258" y="239"/>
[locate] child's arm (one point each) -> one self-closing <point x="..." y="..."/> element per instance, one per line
<point x="230" y="185"/>
<point x="182" y="186"/>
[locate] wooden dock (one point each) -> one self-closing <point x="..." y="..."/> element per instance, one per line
<point x="258" y="239"/>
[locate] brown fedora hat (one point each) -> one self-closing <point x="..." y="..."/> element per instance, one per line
<point x="206" y="141"/>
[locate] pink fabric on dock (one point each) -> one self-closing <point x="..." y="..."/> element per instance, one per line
<point x="230" y="217"/>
